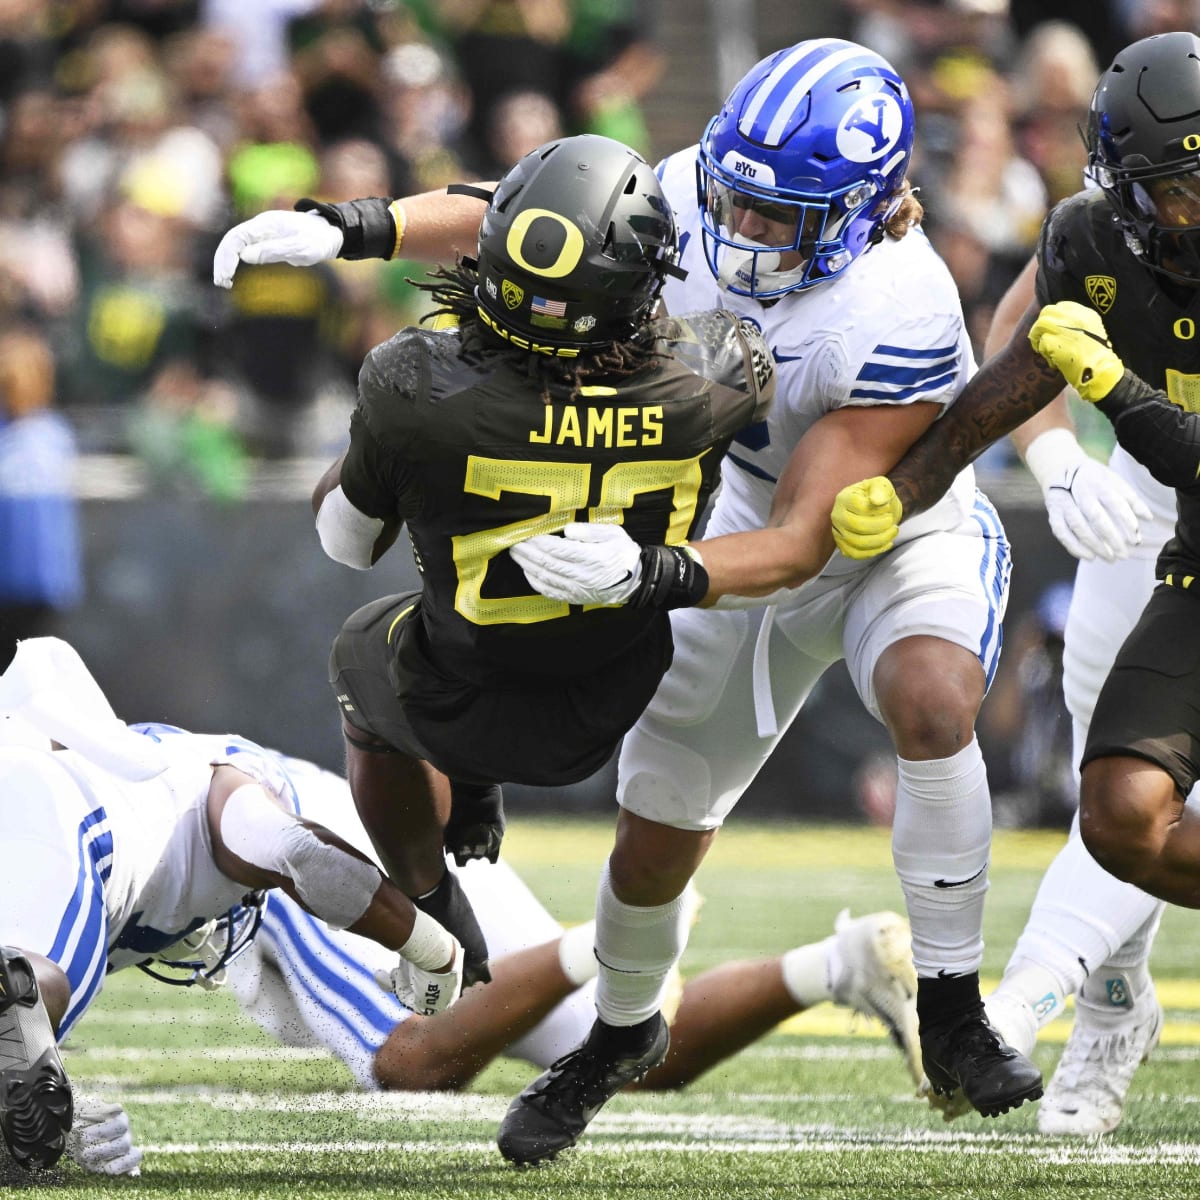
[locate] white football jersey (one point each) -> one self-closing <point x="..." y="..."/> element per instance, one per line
<point x="889" y="330"/>
<point x="163" y="881"/>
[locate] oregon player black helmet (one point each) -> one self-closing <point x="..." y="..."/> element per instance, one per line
<point x="1143" y="140"/>
<point x="574" y="247"/>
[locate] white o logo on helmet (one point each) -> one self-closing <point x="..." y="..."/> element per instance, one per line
<point x="870" y="128"/>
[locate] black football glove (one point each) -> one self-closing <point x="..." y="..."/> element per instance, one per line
<point x="476" y="825"/>
<point x="368" y="228"/>
<point x="448" y="904"/>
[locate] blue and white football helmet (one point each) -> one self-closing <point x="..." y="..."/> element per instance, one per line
<point x="201" y="956"/>
<point x="816" y="140"/>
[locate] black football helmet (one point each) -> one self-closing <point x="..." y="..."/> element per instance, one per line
<point x="574" y="247"/>
<point x="1143" y="140"/>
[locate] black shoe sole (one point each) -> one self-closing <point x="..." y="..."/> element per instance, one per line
<point x="944" y="1085"/>
<point x="36" y="1107"/>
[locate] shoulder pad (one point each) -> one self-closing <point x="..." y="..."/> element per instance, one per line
<point x="1076" y="235"/>
<point x="394" y="375"/>
<point x="718" y="345"/>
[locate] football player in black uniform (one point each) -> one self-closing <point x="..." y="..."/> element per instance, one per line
<point x="554" y="396"/>
<point x="1129" y="250"/>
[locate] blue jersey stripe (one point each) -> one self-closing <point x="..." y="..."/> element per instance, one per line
<point x="286" y="948"/>
<point x="929" y="385"/>
<point x="93" y="844"/>
<point x="356" y="1000"/>
<point x="317" y="931"/>
<point x="886" y="351"/>
<point x="995" y="569"/>
<point x="91" y="973"/>
<point x="883" y="372"/>
<point x="749" y="468"/>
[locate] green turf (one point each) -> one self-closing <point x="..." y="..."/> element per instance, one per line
<point x="222" y="1115"/>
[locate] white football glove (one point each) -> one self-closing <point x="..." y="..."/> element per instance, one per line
<point x="301" y="239"/>
<point x="425" y="992"/>
<point x="1093" y="512"/>
<point x="589" y="564"/>
<point x="100" y="1140"/>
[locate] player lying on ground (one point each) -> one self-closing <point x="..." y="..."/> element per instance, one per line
<point x="137" y="843"/>
<point x="539" y="1002"/>
<point x="535" y="1006"/>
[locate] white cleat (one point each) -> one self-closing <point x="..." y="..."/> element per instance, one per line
<point x="877" y="977"/>
<point x="1086" y="1095"/>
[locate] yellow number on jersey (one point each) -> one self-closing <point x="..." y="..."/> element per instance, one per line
<point x="566" y="486"/>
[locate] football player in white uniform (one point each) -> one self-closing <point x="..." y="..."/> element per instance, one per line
<point x="310" y="985"/>
<point x="122" y="865"/>
<point x="144" y="845"/>
<point x="795" y="211"/>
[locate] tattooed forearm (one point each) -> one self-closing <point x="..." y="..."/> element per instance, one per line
<point x="1006" y="392"/>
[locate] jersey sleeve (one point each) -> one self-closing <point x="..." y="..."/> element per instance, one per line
<point x="1160" y="435"/>
<point x="925" y="358"/>
<point x="728" y="350"/>
<point x="1056" y="277"/>
<point x="378" y="476"/>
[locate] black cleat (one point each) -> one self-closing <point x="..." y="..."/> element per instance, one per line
<point x="555" y="1109"/>
<point x="971" y="1055"/>
<point x="35" y="1095"/>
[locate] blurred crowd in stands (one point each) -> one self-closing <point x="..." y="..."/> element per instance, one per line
<point x="133" y="133"/>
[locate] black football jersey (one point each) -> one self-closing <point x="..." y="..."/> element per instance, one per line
<point x="463" y="447"/>
<point x="1155" y="330"/>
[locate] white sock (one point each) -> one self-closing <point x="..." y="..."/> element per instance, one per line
<point x="942" y="836"/>
<point x="636" y="949"/>
<point x="809" y="972"/>
<point x="1083" y="917"/>
<point x="577" y="953"/>
<point x="1039" y="989"/>
<point x="1013" y="1019"/>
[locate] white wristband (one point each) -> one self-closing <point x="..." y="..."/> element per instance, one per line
<point x="429" y="946"/>
<point x="1051" y="454"/>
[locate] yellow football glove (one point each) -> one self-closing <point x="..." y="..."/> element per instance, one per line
<point x="866" y="517"/>
<point x="1072" y="339"/>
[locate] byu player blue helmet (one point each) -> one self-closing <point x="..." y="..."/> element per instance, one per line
<point x="815" y="142"/>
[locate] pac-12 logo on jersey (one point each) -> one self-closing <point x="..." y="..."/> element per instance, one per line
<point x="870" y="129"/>
<point x="1101" y="291"/>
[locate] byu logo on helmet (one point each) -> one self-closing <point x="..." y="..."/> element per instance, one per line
<point x="870" y="129"/>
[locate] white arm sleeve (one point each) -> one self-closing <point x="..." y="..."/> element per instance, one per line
<point x="347" y="535"/>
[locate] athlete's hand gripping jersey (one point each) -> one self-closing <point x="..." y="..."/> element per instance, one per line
<point x="889" y="331"/>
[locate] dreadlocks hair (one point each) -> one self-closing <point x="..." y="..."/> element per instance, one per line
<point x="453" y="291"/>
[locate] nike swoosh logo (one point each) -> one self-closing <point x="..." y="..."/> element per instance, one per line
<point x="782" y="358"/>
<point x="953" y="883"/>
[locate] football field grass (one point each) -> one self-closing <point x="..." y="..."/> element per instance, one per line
<point x="821" y="1108"/>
